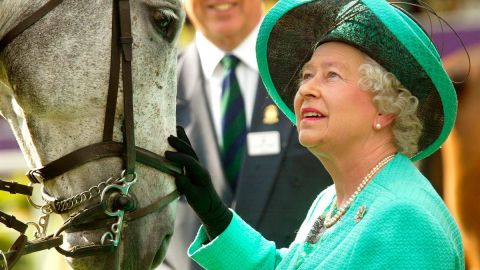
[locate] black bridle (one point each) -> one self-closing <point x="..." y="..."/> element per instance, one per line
<point x="99" y="215"/>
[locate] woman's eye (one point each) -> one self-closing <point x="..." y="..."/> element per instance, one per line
<point x="306" y="76"/>
<point x="332" y="75"/>
<point x="165" y="20"/>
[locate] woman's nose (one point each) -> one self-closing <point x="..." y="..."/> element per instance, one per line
<point x="309" y="89"/>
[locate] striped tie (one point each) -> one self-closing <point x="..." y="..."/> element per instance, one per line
<point x="234" y="127"/>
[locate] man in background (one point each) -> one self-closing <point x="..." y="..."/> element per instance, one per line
<point x="257" y="164"/>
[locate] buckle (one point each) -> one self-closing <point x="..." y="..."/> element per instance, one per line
<point x="35" y="176"/>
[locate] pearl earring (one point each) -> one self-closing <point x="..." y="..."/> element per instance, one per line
<point x="378" y="126"/>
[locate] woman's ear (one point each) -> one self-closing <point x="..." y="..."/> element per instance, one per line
<point x="383" y="120"/>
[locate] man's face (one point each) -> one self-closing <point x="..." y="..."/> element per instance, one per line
<point x="224" y="22"/>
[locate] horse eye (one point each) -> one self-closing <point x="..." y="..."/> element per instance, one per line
<point x="164" y="21"/>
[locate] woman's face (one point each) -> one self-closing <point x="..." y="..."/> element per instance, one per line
<point x="333" y="113"/>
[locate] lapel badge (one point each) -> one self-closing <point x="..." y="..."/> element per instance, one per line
<point x="270" y="115"/>
<point x="360" y="213"/>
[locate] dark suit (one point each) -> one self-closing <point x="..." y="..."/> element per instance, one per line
<point x="274" y="191"/>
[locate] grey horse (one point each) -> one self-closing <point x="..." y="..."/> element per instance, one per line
<point x="53" y="90"/>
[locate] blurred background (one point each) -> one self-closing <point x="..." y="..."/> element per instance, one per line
<point x="453" y="170"/>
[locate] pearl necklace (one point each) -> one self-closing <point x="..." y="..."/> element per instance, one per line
<point x="329" y="220"/>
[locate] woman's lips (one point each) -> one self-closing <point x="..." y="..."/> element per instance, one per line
<point x="311" y="114"/>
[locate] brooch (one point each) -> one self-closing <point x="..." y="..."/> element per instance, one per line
<point x="360" y="213"/>
<point x="317" y="230"/>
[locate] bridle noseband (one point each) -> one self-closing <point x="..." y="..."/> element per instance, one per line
<point x="115" y="200"/>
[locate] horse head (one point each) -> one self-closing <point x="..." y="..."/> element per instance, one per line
<point x="54" y="81"/>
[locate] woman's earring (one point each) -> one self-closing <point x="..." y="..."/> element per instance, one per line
<point x="378" y="126"/>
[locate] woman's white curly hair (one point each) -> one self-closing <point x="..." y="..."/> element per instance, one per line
<point x="391" y="97"/>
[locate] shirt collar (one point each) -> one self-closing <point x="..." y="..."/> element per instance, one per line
<point x="210" y="55"/>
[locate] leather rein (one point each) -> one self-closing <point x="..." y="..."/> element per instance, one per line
<point x="116" y="204"/>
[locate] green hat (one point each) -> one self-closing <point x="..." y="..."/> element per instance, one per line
<point x="292" y="30"/>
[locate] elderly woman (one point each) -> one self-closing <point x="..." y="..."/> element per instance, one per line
<point x="367" y="91"/>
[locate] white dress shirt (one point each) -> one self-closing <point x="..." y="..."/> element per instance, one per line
<point x="246" y="72"/>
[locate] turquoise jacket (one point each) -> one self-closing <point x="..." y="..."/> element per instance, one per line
<point x="406" y="225"/>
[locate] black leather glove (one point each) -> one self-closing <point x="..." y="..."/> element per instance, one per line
<point x="197" y="187"/>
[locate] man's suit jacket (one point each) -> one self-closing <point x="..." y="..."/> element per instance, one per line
<point x="274" y="192"/>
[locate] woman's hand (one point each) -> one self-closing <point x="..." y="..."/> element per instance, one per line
<point x="197" y="186"/>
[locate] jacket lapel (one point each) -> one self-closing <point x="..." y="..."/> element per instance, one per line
<point x="259" y="172"/>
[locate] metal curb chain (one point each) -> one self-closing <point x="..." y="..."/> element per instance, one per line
<point x="76" y="200"/>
